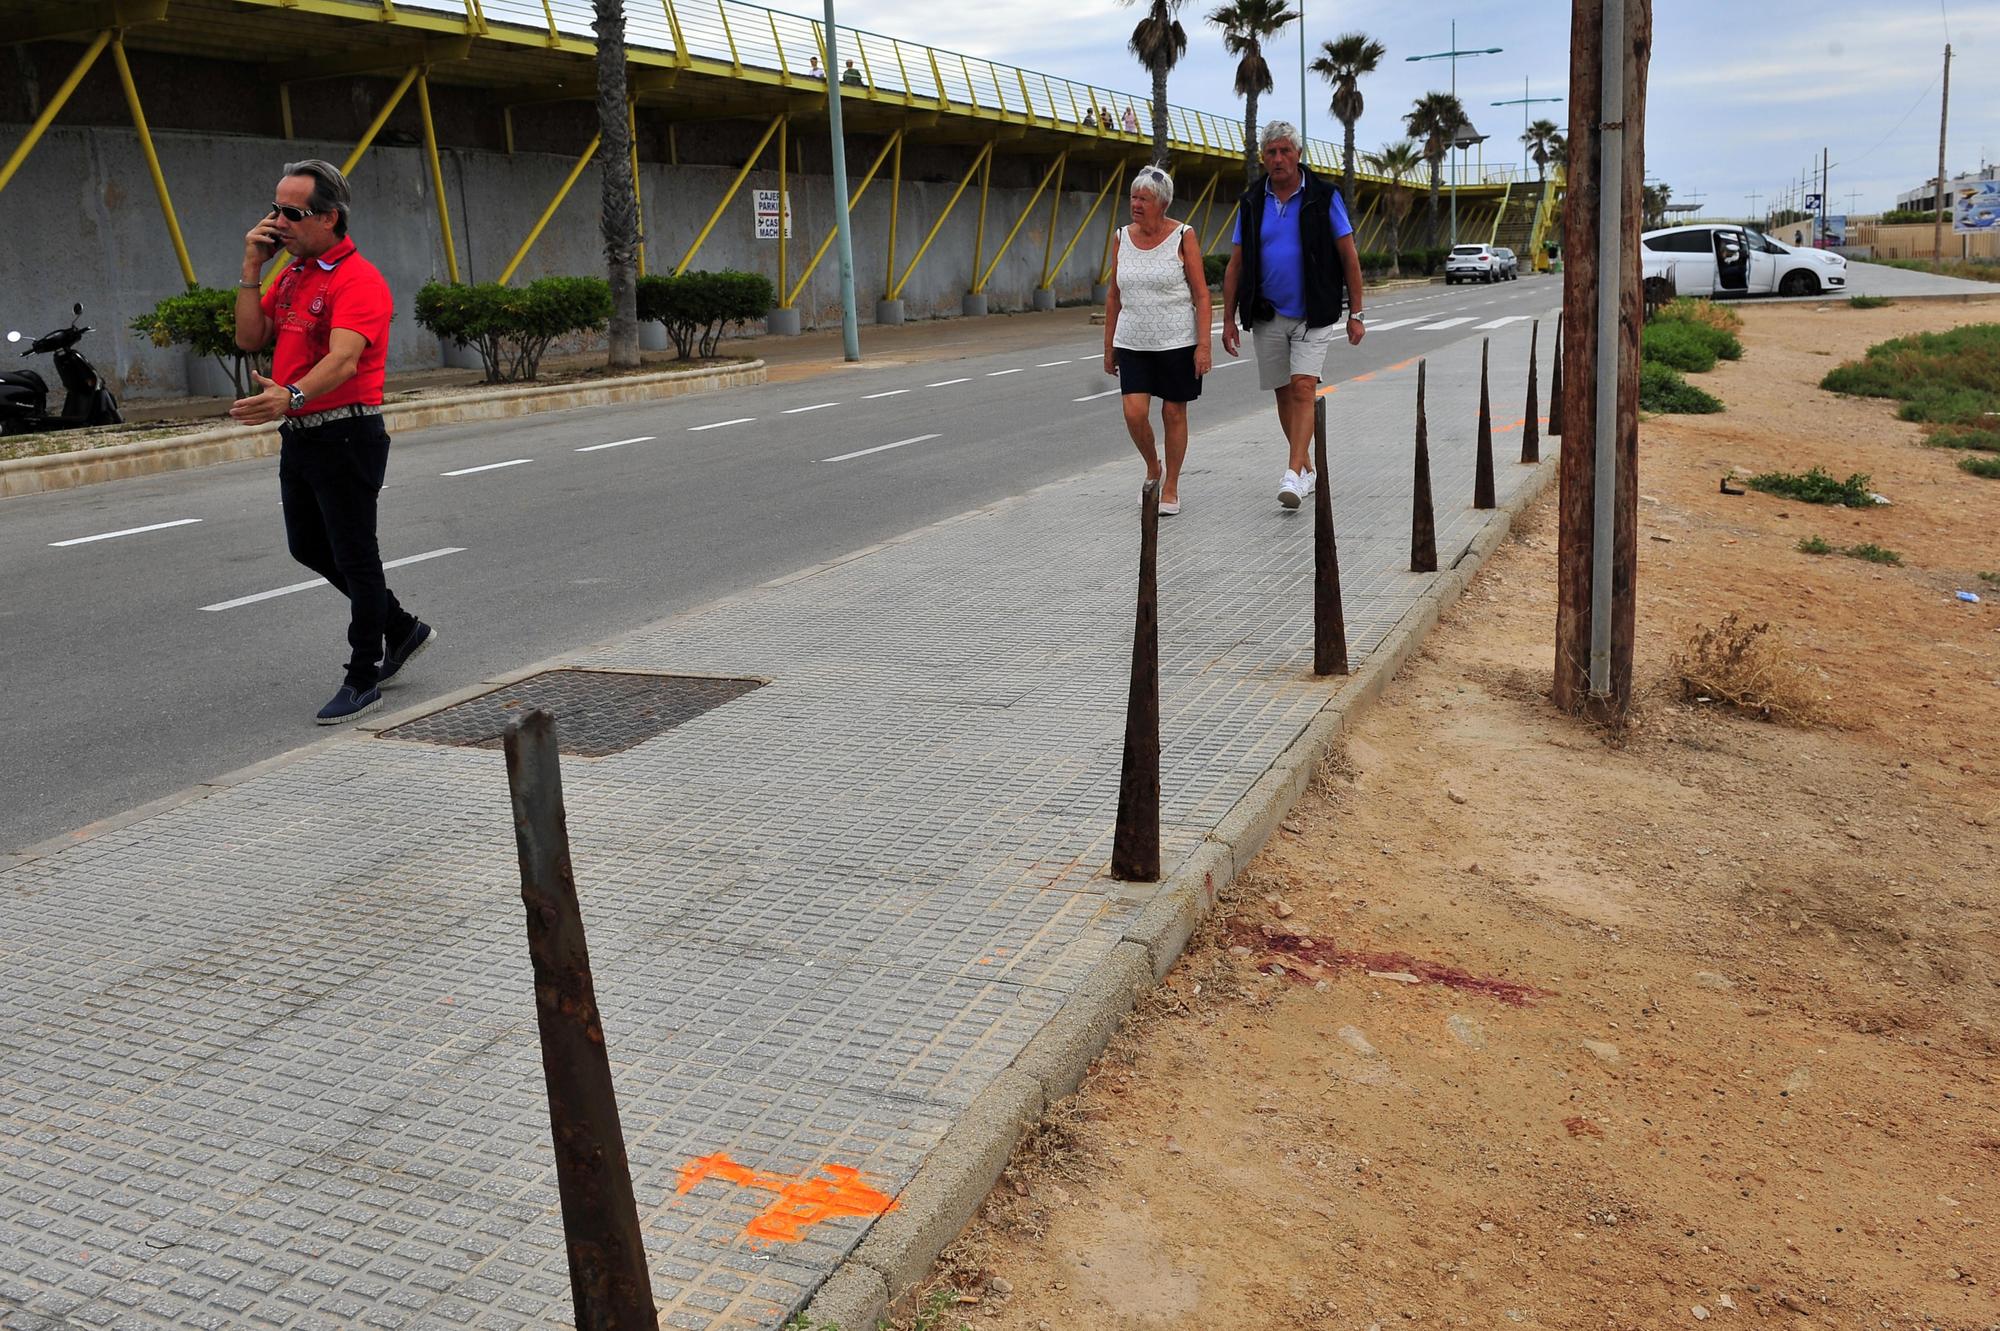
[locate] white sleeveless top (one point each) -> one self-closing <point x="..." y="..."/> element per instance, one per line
<point x="1156" y="310"/>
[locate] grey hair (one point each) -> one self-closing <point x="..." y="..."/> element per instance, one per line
<point x="1275" y="130"/>
<point x="1156" y="183"/>
<point x="329" y="192"/>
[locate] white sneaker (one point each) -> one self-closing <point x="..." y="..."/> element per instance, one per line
<point x="1289" y="492"/>
<point x="1308" y="482"/>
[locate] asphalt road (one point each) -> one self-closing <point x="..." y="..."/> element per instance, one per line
<point x="148" y="644"/>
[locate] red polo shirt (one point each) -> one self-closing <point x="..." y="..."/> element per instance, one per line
<point x="338" y="289"/>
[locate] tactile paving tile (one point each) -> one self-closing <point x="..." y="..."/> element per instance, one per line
<point x="597" y="712"/>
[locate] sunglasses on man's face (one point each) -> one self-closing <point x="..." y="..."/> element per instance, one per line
<point x="289" y="213"/>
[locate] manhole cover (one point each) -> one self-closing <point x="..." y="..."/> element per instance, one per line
<point x="597" y="712"/>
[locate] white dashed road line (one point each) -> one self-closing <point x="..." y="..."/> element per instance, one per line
<point x="879" y="448"/>
<point x="490" y="466"/>
<point x="1446" y="323"/>
<point x="894" y="392"/>
<point x="995" y="374"/>
<point x="1094" y="396"/>
<point x="129" y="531"/>
<point x="947" y="383"/>
<point x="321" y="582"/>
<point x="615" y="443"/>
<point x="1393" y="323"/>
<point x="1503" y="322"/>
<point x="817" y="406"/>
<point x="1047" y="364"/>
<point x="717" y="425"/>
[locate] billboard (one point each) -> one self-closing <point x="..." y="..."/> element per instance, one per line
<point x="1975" y="207"/>
<point x="1833" y="234"/>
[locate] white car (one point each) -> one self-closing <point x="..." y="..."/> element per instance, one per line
<point x="1735" y="261"/>
<point x="1472" y="263"/>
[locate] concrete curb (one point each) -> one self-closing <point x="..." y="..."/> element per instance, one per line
<point x="954" y="1179"/>
<point x="230" y="443"/>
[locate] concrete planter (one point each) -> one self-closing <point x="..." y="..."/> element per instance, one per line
<point x="974" y="304"/>
<point x="889" y="312"/>
<point x="1045" y="298"/>
<point x="782" y="323"/>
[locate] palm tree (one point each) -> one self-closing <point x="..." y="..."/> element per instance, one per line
<point x="1158" y="43"/>
<point x="1397" y="160"/>
<point x="1653" y="201"/>
<point x="1434" y="118"/>
<point x="620" y="199"/>
<point x="1246" y="25"/>
<point x="1541" y="140"/>
<point x="1342" y="62"/>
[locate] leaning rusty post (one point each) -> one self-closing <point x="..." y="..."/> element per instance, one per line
<point x="1482" y="473"/>
<point x="1135" y="849"/>
<point x="1329" y="621"/>
<point x="1531" y="427"/>
<point x="608" y="1279"/>
<point x="1423" y="521"/>
<point x="1556" y="385"/>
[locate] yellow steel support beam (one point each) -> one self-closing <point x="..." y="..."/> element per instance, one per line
<point x="437" y="178"/>
<point x="1035" y="198"/>
<point x="784" y="69"/>
<point x="729" y="196"/>
<point x="895" y="142"/>
<point x="1055" y="216"/>
<point x="735" y="60"/>
<point x="867" y="70"/>
<point x="285" y="108"/>
<point x="979" y="232"/>
<point x="971" y="92"/>
<point x="507" y="123"/>
<point x="784" y="212"/>
<point x="638" y="199"/>
<point x="1367" y="213"/>
<point x="152" y="158"/>
<point x="54" y="108"/>
<point x="381" y="119"/>
<point x="895" y="207"/>
<point x="555" y="37"/>
<point x="985" y="157"/>
<point x="1110" y="228"/>
<point x="937" y="77"/>
<point x="1097" y="203"/>
<point x="674" y="27"/>
<point x="550" y="211"/>
<point x="909" y="94"/>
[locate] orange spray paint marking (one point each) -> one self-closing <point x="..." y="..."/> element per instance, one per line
<point x="1404" y="364"/>
<point x="1362" y="378"/>
<point x="802" y="1201"/>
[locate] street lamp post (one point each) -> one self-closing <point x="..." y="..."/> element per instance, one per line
<point x="1302" y="78"/>
<point x="1524" y="101"/>
<point x="1452" y="55"/>
<point x="850" y="340"/>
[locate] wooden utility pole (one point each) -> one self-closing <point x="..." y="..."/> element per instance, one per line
<point x="1944" y="120"/>
<point x="1597" y="554"/>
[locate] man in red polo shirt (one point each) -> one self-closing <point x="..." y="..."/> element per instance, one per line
<point x="328" y="313"/>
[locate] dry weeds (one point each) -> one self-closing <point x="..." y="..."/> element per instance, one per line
<point x="1752" y="668"/>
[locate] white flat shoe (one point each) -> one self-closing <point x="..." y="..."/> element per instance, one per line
<point x="1168" y="510"/>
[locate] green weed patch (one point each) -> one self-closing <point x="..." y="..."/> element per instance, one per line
<point x="1661" y="389"/>
<point x="1815" y="487"/>
<point x="1948" y="378"/>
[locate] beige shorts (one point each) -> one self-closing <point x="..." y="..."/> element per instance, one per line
<point x="1286" y="347"/>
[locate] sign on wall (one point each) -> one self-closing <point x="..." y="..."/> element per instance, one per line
<point x="766" y="203"/>
<point x="1975" y="207"/>
<point x="1835" y="233"/>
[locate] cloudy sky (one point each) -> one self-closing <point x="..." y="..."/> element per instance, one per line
<point x="1743" y="95"/>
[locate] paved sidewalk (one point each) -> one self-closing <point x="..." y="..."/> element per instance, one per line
<point x="270" y="1054"/>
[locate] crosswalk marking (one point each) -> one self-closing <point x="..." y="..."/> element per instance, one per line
<point x="1504" y="321"/>
<point x="1393" y="323"/>
<point x="1446" y="323"/>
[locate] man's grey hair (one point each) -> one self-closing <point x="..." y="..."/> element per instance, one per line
<point x="1276" y="130"/>
<point x="1156" y="183"/>
<point x="329" y="193"/>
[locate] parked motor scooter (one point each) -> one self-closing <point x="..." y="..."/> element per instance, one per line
<point x="24" y="395"/>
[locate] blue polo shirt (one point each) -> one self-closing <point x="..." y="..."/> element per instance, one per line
<point x="1282" y="273"/>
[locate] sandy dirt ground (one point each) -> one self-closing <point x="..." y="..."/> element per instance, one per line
<point x="1520" y="1023"/>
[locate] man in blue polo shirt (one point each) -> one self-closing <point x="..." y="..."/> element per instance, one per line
<point x="1292" y="269"/>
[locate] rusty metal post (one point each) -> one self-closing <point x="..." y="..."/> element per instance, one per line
<point x="1531" y="426"/>
<point x="608" y="1279"/>
<point x="1423" y="520"/>
<point x="1482" y="474"/>
<point x="1556" y="385"/>
<point x="1135" y="848"/>
<point x="1329" y="622"/>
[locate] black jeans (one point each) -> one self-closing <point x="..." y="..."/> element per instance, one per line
<point x="328" y="477"/>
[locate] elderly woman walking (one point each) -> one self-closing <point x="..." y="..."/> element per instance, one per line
<point x="1156" y="324"/>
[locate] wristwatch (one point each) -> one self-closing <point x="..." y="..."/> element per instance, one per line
<point x="298" y="398"/>
<point x="1355" y="315"/>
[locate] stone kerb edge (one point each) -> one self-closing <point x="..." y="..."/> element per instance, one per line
<point x="946" y="1192"/>
<point x="150" y="457"/>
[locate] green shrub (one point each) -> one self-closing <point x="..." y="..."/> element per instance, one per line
<point x="1966" y="436"/>
<point x="1977" y="270"/>
<point x="1873" y="553"/>
<point x="1951" y="377"/>
<point x="697" y="307"/>
<point x="1816" y="487"/>
<point x="1868" y="302"/>
<point x="1981" y="466"/>
<point x="203" y="319"/>
<point x="1679" y="346"/>
<point x="1214" y="265"/>
<point x="1814" y="545"/>
<point x="1904" y="216"/>
<point x="513" y="327"/>
<point x="1690" y="309"/>
<point x="1662" y="389"/>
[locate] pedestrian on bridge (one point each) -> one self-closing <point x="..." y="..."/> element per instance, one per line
<point x="1156" y="321"/>
<point x="326" y="319"/>
<point x="1292" y="269"/>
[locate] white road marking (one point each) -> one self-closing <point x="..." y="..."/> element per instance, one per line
<point x="129" y="531"/>
<point x="947" y="383"/>
<point x="995" y="374"/>
<point x="1050" y="363"/>
<point x="616" y="443"/>
<point x="894" y="392"/>
<point x="1503" y="322"/>
<point x="1094" y="396"/>
<point x="491" y="466"/>
<point x="1230" y="365"/>
<point x="817" y="406"/>
<point x="321" y="582"/>
<point x="1393" y="323"/>
<point x="1447" y="323"/>
<point x="879" y="448"/>
<point x="717" y="425"/>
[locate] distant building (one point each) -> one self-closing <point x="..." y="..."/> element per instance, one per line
<point x="1925" y="196"/>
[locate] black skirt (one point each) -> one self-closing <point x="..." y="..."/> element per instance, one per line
<point x="1166" y="375"/>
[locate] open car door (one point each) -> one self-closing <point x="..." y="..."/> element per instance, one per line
<point x="1732" y="262"/>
